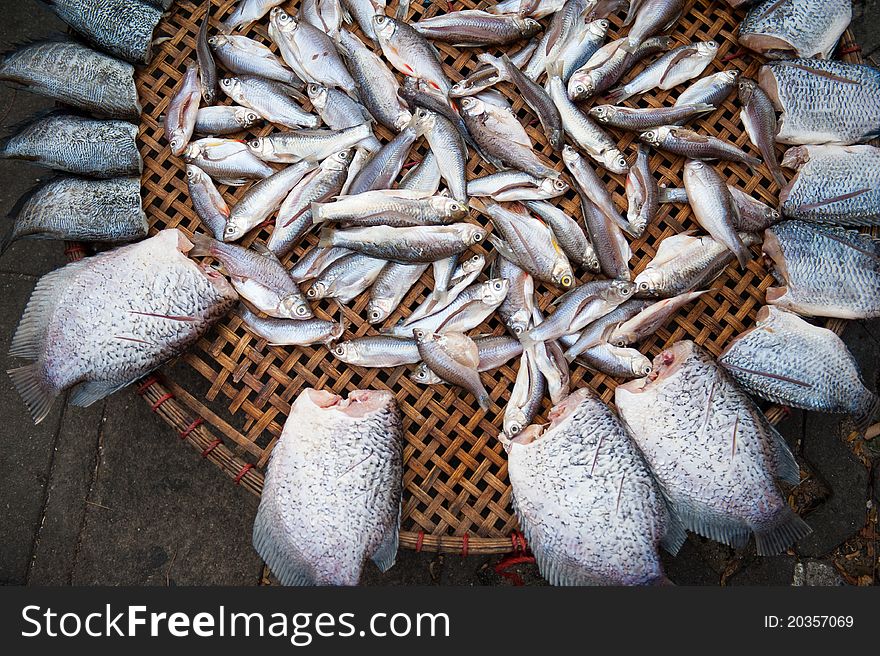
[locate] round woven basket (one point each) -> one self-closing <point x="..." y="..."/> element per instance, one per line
<point x="456" y="494"/>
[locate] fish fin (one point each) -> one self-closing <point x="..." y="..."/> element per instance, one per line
<point x="675" y="535"/>
<point x="27" y="382"/>
<point x="504" y="248"/>
<point x="30" y="193"/>
<point x="711" y="524"/>
<point x="835" y="199"/>
<point x="87" y="393"/>
<point x="785" y="467"/>
<point x="202" y="245"/>
<point x="781" y="532"/>
<point x="317" y="216"/>
<point x="282" y="558"/>
<point x="618" y="95"/>
<point x="325" y="238"/>
<point x="386" y="553"/>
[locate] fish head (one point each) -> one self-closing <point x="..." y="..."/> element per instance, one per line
<point x="318" y="95"/>
<point x="664" y="367"/>
<point x="422" y="336"/>
<point x="620" y="291"/>
<point x="745" y="89"/>
<point x="384" y="27"/>
<point x="581" y="87"/>
<point x="218" y="41"/>
<point x="338" y="161"/>
<point x="424" y="120"/>
<point x="707" y="48"/>
<point x="473" y="234"/>
<point x="649" y="282"/>
<point x="554" y="186"/>
<point x="378" y="310"/>
<point x="570" y="155"/>
<point x="282" y="21"/>
<point x="233" y="231"/>
<point x="260" y="147"/>
<point x="232" y="87"/>
<point x="655" y="137"/>
<point x="614" y="161"/>
<point x="529" y="27"/>
<point x="449" y="207"/>
<point x="603" y="113"/>
<point x="423" y="374"/>
<point x="599" y="27"/>
<point x="527" y="435"/>
<point x="246" y="117"/>
<point x="694" y="170"/>
<point x="294" y="306"/>
<point x="494" y="291"/>
<point x="177" y="140"/>
<point x="194" y="175"/>
<point x="317" y="290"/>
<point x="473" y="106"/>
<point x="346" y="351"/>
<point x="476" y="263"/>
<point x="191" y="152"/>
<point x="562" y="274"/>
<point x="639" y="364"/>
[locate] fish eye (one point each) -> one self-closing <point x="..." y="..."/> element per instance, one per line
<point x="375" y="315"/>
<point x="339" y="350"/>
<point x="253" y="117"/>
<point x="302" y="310"/>
<point x="646" y="370"/>
<point x="517" y="330"/>
<point x="566" y="281"/>
<point x="255" y="143"/>
<point x="419" y="333"/>
<point x="343" y="154"/>
<point x="380" y="20"/>
<point x="226" y="81"/>
<point x="642" y="286"/>
<point x="478" y="237"/>
<point x="190" y="173"/>
<point x="579" y="89"/>
<point x="621" y="161"/>
<point x="314" y="89"/>
<point x="515" y="429"/>
<point x="312" y="292"/>
<point x="711" y="44"/>
<point x="212" y="41"/>
<point x="560" y="184"/>
<point x="604" y="23"/>
<point x="497" y="285"/>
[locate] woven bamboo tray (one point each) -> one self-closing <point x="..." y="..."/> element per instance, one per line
<point x="456" y="498"/>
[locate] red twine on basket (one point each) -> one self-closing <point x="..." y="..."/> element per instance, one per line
<point x="189" y="429"/>
<point x="464" y="545"/>
<point x="511" y="561"/>
<point x="240" y="474"/>
<point x="147" y="384"/>
<point x="738" y="53"/>
<point x="419" y="541"/>
<point x="213" y="445"/>
<point x="161" y="400"/>
<point x="850" y="50"/>
<point x="519" y="542"/>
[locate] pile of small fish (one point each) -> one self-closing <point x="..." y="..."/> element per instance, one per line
<point x="689" y="448"/>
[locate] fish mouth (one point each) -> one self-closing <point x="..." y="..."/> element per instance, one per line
<point x="664" y="366"/>
<point x="358" y="404"/>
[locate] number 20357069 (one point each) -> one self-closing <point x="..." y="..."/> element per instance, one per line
<point x="808" y="621"/>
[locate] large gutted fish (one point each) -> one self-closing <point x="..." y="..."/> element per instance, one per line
<point x="825" y="271"/>
<point x="76" y="144"/>
<point x="712" y="450"/>
<point x="588" y="504"/>
<point x="96" y="325"/>
<point x="332" y="493"/>
<point x="823" y="101"/>
<point x="74" y="74"/>
<point x="786" y="360"/>
<point x="836" y="184"/>
<point x="781" y="29"/>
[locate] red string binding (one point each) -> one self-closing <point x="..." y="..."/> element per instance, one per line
<point x="189" y="429"/>
<point x="419" y="541"/>
<point x="213" y="445"/>
<point x="511" y="561"/>
<point x="240" y="474"/>
<point x="161" y="400"/>
<point x="464" y="544"/>
<point x="850" y="50"/>
<point x="147" y="384"/>
<point x="737" y="54"/>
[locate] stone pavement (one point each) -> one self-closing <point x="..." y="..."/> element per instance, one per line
<point x="106" y="495"/>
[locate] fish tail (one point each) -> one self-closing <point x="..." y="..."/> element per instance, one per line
<point x="554" y="68"/>
<point x="285" y="562"/>
<point x="780" y="532"/>
<point x="33" y="390"/>
<point x="325" y="238"/>
<point x="317" y="214"/>
<point x="203" y="245"/>
<point x="867" y="412"/>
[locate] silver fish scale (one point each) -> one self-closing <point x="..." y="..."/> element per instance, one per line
<point x="818" y="109"/>
<point x="811" y="27"/>
<point x="713" y="452"/>
<point x="76" y="75"/>
<point x="589" y="508"/>
<point x="90" y="210"/>
<point x="332" y="494"/>
<point x="121" y="27"/>
<point x="151" y="277"/>
<point x="833" y="172"/>
<point x="828" y="271"/>
<point x="786" y="360"/>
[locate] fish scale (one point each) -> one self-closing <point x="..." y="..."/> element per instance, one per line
<point x="803" y="28"/>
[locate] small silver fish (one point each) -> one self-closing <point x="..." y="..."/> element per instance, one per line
<point x="378" y="351"/>
<point x="642" y="194"/>
<point x="244" y="56"/>
<point x="227" y="161"/>
<point x="183" y="108"/>
<point x="759" y="119"/>
<point x="681" y="141"/>
<point x="413" y="245"/>
<point x="454" y="358"/>
<point x="285" y="332"/>
<point x="676" y="67"/>
<point x="225" y="119"/>
<point x="270" y="99"/>
<point x="207" y="201"/>
<point x="392" y="284"/>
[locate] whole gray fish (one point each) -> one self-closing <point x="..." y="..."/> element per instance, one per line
<point x="713" y="207"/>
<point x="207" y="66"/>
<point x="449" y="149"/>
<point x="759" y="119"/>
<point x="450" y="281"/>
<point x="494" y="352"/>
<point x="248" y="11"/>
<point x="786" y="360"/>
<point x="713" y="452"/>
<point x="654" y="17"/>
<point x="378" y="351"/>
<point x="639" y="119"/>
<point x="825" y="271"/>
<point x="315" y="262"/>
<point x="675" y="67"/>
<point x="502" y="137"/>
<point x="383" y="167"/>
<point x="642" y="194"/>
<point x="227" y="161"/>
<point x="609" y="64"/>
<point x="684" y="263"/>
<point x="472" y="27"/>
<point x="582" y="46"/>
<point x="121" y="28"/>
<point x="568" y="233"/>
<point x="533" y="94"/>
<point x="207" y="201"/>
<point x="525" y="397"/>
<point x="605" y="233"/>
<point x="309" y="145"/>
<point x="334" y="479"/>
<point x="225" y="119"/>
<point x="782" y="29"/>
<point x="681" y="141"/>
<point x="97" y="325"/>
<point x="649" y="320"/>
<point x="581" y="129"/>
<point x="338" y="112"/>
<point x="412" y="245"/>
<point x="712" y="90"/>
<point x="326" y="15"/>
<point x="393" y="283"/>
<point x="309" y="51"/>
<point x="78" y="76"/>
<point x="271" y="100"/>
<point x="469" y="309"/>
<point x="76" y="144"/>
<point x="424" y="176"/>
<point x="183" y="109"/>
<point x="409" y="52"/>
<point x="447" y="356"/>
<point x="823" y="101"/>
<point x="596" y="333"/>
<point x="244" y="56"/>
<point x="377" y="86"/>
<point x="390" y="207"/>
<point x="285" y="332"/>
<point x="608" y="517"/>
<point x="346" y="278"/>
<point x="516" y="309"/>
<point x="294" y="218"/>
<point x="752" y="215"/>
<point x="363" y="12"/>
<point x="257" y="277"/>
<point x="838" y="184"/>
<point x="506" y="186"/>
<point x="616" y="361"/>
<point x="531" y="244"/>
<point x="262" y="199"/>
<point x="79" y="209"/>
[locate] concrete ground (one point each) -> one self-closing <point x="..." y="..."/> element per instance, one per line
<point x="104" y="495"/>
